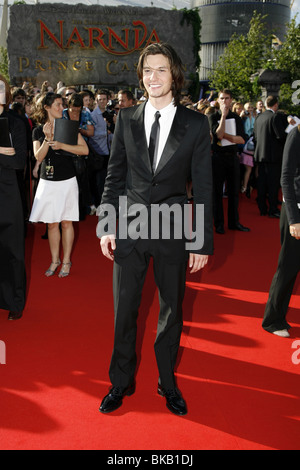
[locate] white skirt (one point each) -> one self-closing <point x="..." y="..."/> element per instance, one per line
<point x="56" y="201"/>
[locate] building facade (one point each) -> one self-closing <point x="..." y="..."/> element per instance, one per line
<point x="222" y="18"/>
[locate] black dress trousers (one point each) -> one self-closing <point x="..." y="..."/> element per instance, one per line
<point x="284" y="280"/>
<point x="226" y="167"/>
<point x="128" y="280"/>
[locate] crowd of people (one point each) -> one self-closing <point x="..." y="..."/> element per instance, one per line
<point x="256" y="161"/>
<point x="247" y="149"/>
<point x="97" y="112"/>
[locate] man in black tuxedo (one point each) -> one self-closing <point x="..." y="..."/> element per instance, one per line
<point x="269" y="139"/>
<point x="157" y="147"/>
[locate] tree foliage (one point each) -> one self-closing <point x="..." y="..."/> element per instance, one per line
<point x="243" y="56"/>
<point x="4" y="63"/>
<point x="192" y="17"/>
<point x="287" y="58"/>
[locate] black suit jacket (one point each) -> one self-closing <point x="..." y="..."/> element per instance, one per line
<point x="186" y="155"/>
<point x="290" y="178"/>
<point x="269" y="137"/>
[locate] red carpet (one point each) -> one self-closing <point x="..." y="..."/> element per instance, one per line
<point x="240" y="383"/>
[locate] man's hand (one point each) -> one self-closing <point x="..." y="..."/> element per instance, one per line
<point x="295" y="231"/>
<point x="197" y="262"/>
<point x="224" y="108"/>
<point x="108" y="245"/>
<point x="10" y="151"/>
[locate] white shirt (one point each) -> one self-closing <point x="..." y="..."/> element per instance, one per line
<point x="165" y="122"/>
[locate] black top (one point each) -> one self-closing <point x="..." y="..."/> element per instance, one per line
<point x="290" y="179"/>
<point x="57" y="165"/>
<point x="214" y="122"/>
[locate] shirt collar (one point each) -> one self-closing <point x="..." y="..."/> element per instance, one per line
<point x="167" y="109"/>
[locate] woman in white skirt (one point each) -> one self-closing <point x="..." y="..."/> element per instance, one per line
<point x="56" y="198"/>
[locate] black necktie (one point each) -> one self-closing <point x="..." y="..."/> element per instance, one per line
<point x="154" y="139"/>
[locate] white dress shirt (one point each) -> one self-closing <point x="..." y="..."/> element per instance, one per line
<point x="165" y="122"/>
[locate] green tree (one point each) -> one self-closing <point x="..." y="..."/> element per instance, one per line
<point x="4" y="63"/>
<point x="243" y="56"/>
<point x="287" y="58"/>
<point x="192" y="17"/>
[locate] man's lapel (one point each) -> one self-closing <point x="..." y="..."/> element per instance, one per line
<point x="138" y="131"/>
<point x="177" y="133"/>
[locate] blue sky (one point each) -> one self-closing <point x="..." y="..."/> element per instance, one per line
<point x="295" y="9"/>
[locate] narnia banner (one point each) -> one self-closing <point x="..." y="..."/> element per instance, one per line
<point x="81" y="45"/>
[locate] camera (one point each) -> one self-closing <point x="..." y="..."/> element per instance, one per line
<point x="109" y="116"/>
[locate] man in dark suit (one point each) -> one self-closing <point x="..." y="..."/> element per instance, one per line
<point x="269" y="138"/>
<point x="228" y="132"/>
<point x="151" y="172"/>
<point x="289" y="259"/>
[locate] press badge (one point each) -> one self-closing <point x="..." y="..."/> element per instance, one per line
<point x="49" y="172"/>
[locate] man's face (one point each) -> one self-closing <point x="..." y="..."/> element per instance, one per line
<point x="157" y="76"/>
<point x="2" y="93"/>
<point x="225" y="100"/>
<point x="124" y="102"/>
<point x="102" y="102"/>
<point x="259" y="105"/>
<point x="20" y="99"/>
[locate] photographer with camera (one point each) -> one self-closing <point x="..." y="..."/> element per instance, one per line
<point x="110" y="116"/>
<point x="100" y="143"/>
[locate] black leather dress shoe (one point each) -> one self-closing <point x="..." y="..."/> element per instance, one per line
<point x="275" y="215"/>
<point x="220" y="229"/>
<point x="175" y="402"/>
<point x="15" y="315"/>
<point x="239" y="227"/>
<point x="114" y="399"/>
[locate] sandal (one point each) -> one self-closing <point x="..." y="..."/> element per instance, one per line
<point x="50" y="271"/>
<point x="63" y="272"/>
